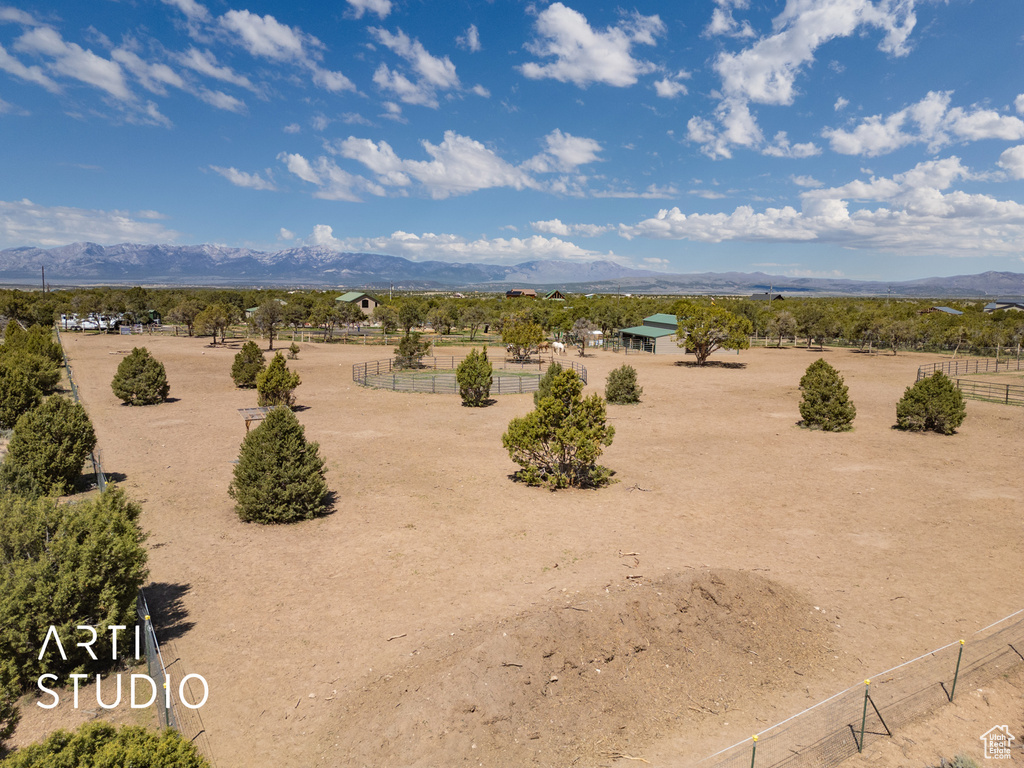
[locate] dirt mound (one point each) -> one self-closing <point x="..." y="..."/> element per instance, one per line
<point x="585" y="676"/>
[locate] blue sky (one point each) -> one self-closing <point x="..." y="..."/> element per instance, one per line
<point x="852" y="138"/>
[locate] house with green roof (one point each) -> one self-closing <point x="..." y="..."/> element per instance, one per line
<point x="364" y="301"/>
<point x="657" y="335"/>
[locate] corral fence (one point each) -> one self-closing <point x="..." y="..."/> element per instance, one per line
<point x="402" y="376"/>
<point x="186" y="721"/>
<point x="991" y="391"/>
<point x="843" y="725"/>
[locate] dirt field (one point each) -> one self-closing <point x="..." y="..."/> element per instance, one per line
<point x="422" y="621"/>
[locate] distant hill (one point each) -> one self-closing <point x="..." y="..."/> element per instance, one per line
<point x="89" y="263"/>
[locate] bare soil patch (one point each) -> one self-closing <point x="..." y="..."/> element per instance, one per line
<point x="903" y="543"/>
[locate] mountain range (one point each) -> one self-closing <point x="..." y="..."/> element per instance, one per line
<point x="89" y="263"/>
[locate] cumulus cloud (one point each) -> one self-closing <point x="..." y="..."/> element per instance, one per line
<point x="71" y="60"/>
<point x="23" y="222"/>
<point x="332" y="182"/>
<point x="380" y="7"/>
<point x="265" y="37"/>
<point x="433" y="74"/>
<point x="285" y="234"/>
<point x="1012" y="161"/>
<point x="806" y="181"/>
<point x="583" y="55"/>
<point x="458" y="165"/>
<point x="766" y="72"/>
<point x="471" y="40"/>
<point x="191" y="9"/>
<point x="672" y="86"/>
<point x="912" y="212"/>
<point x="841" y="104"/>
<point x="929" y="121"/>
<point x="724" y="24"/>
<point x="556" y="227"/>
<point x="449" y="247"/>
<point x="243" y="179"/>
<point x="564" y="152"/>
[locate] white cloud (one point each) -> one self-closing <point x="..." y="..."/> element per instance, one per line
<point x="71" y="60"/>
<point x="17" y="16"/>
<point x="458" y="165"/>
<point x="222" y="100"/>
<point x="479" y="90"/>
<point x="450" y="247"/>
<point x="285" y="234"/>
<point x="912" y="212"/>
<point x="806" y="181"/>
<point x="152" y="77"/>
<point x="292" y="128"/>
<point x="471" y="40"/>
<point x="564" y="152"/>
<point x="652" y="192"/>
<point x="30" y="74"/>
<point x="841" y="104"/>
<point x="1012" y="161"/>
<point x="380" y="7"/>
<point x="929" y="121"/>
<point x="1018" y="104"/>
<point x="670" y="87"/>
<point x="205" y="63"/>
<point x="433" y="73"/>
<point x="22" y="222"/>
<point x="190" y="8"/>
<point x="332" y="182"/>
<point x="780" y="147"/>
<point x="767" y="70"/>
<point x="556" y="227"/>
<point x="243" y="179"/>
<point x="724" y="24"/>
<point x="583" y="55"/>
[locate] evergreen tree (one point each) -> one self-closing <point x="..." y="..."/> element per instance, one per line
<point x="276" y="385"/>
<point x="18" y="395"/>
<point x="560" y="441"/>
<point x="410" y="350"/>
<point x="474" y="376"/>
<point x="249" y="363"/>
<point x="279" y="477"/>
<point x="934" y="403"/>
<point x="49" y="446"/>
<point x="102" y="745"/>
<point x="141" y="379"/>
<point x="826" y="401"/>
<point x="621" y="387"/>
<point x="544" y="385"/>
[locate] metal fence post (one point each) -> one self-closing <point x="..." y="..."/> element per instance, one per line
<point x="864" y="717"/>
<point x="753" y="752"/>
<point x="956" y="674"/>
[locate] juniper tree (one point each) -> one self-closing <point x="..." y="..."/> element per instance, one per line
<point x="826" y="400"/>
<point x="249" y="363"/>
<point x="49" y="447"/>
<point x="279" y="477"/>
<point x="18" y="395"/>
<point x="276" y="385"/>
<point x="140" y="379"/>
<point x="934" y="403"/>
<point x="474" y="376"/>
<point x="621" y="387"/>
<point x="560" y="441"/>
<point x="544" y="385"/>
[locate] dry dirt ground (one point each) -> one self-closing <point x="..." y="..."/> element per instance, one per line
<point x="740" y="569"/>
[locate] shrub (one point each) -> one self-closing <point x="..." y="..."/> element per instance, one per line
<point x="276" y="385"/>
<point x="9" y="714"/>
<point x="934" y="403"/>
<point x="293" y="351"/>
<point x="474" y="376"/>
<point x="101" y="745"/>
<point x="560" y="441"/>
<point x="621" y="387"/>
<point x="544" y="385"/>
<point x="37" y="340"/>
<point x="140" y="379"/>
<point x="18" y="395"/>
<point x="410" y="350"/>
<point x="826" y="401"/>
<point x="279" y="477"/>
<point x="249" y="363"/>
<point x="49" y="446"/>
<point x="65" y="565"/>
<point x="43" y="372"/>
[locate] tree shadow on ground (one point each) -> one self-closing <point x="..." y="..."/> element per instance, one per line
<point x="710" y="364"/>
<point x="485" y="404"/>
<point x="166" y="602"/>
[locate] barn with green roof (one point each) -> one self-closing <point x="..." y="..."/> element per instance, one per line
<point x="657" y="335"/>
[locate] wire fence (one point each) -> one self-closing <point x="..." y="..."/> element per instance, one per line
<point x="171" y="713"/>
<point x="843" y="725"/>
<point x="990" y="391"/>
<point x="514" y="377"/>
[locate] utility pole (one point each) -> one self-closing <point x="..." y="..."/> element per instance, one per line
<point x="44" y="277"/>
